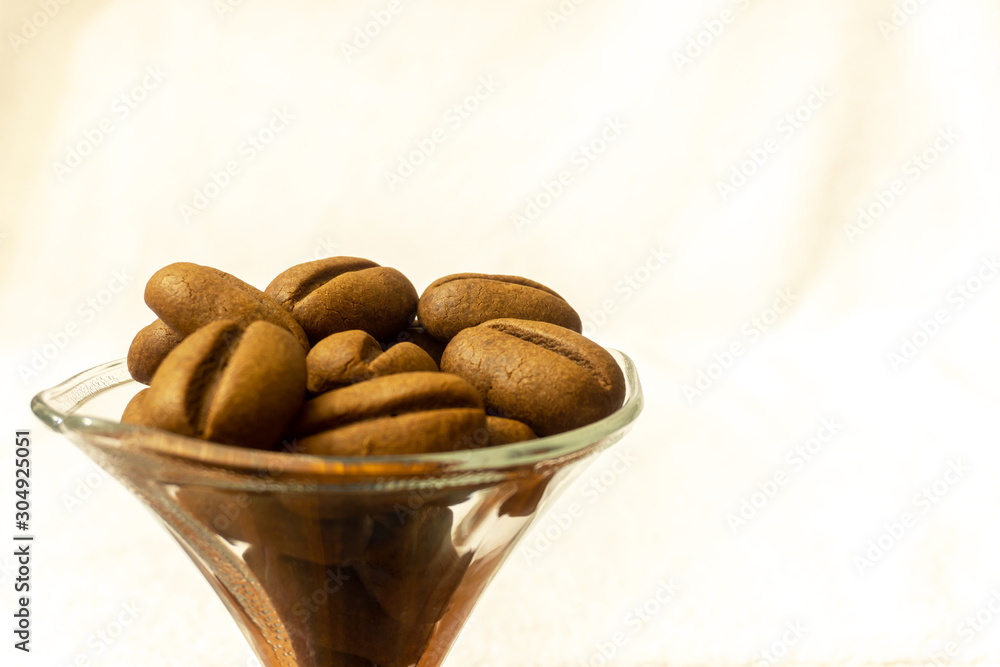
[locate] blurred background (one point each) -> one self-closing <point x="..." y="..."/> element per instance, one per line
<point x="786" y="213"/>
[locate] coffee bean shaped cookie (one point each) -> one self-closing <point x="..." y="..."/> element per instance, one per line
<point x="464" y="300"/>
<point x="230" y="384"/>
<point x="504" y="431"/>
<point x="149" y="348"/>
<point x="351" y="356"/>
<point x="498" y="431"/>
<point x="402" y="358"/>
<point x="350" y="621"/>
<point x="530" y="491"/>
<point x="405" y="413"/>
<point x="188" y="296"/>
<point x="544" y="375"/>
<point x="411" y="566"/>
<point x="336" y="294"/>
<point x="418" y="335"/>
<point x="259" y="519"/>
<point x="135" y="411"/>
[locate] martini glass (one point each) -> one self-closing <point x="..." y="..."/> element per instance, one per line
<point x="330" y="561"/>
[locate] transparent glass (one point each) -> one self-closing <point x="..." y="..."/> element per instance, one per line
<point x="327" y="561"/>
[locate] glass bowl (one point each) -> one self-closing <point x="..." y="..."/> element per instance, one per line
<point x="326" y="561"/>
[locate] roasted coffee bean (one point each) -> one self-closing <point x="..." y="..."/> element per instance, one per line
<point x="149" y="348"/>
<point x="464" y="300"/>
<point x="351" y="356"/>
<point x="230" y="385"/>
<point x="544" y="375"/>
<point x="336" y="294"/>
<point x="188" y="296"/>
<point x="395" y="414"/>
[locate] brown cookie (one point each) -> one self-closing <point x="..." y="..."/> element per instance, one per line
<point x="530" y="491"/>
<point x="188" y="296"/>
<point x="230" y="385"/>
<point x="544" y="375"/>
<point x="464" y="300"/>
<point x="395" y="414"/>
<point x="351" y="356"/>
<point x="343" y="293"/>
<point x="411" y="566"/>
<point x="135" y="411"/>
<point x="504" y="431"/>
<point x="149" y="348"/>
<point x="260" y="519"/>
<point x="327" y="608"/>
<point x="402" y="358"/>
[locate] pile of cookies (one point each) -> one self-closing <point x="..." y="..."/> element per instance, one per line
<point x="340" y="357"/>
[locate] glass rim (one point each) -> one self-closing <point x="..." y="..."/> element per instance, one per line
<point x="57" y="407"/>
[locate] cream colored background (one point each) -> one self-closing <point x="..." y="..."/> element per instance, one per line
<point x="319" y="189"/>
